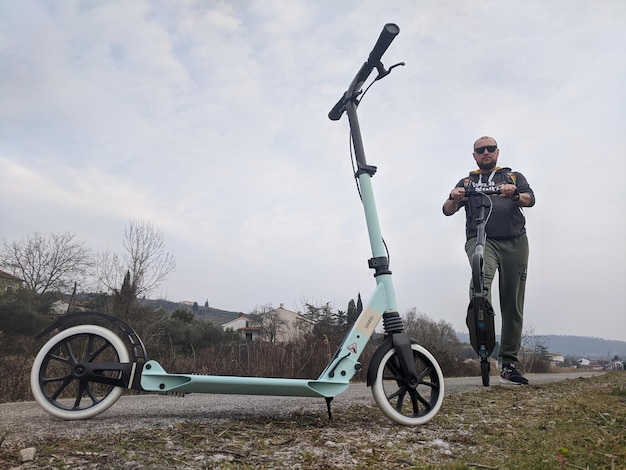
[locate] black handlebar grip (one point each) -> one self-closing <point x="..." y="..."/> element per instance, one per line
<point x="388" y="34"/>
<point x="337" y="111"/>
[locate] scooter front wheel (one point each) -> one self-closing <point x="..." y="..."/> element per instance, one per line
<point x="55" y="379"/>
<point x="485" y="370"/>
<point x="478" y="273"/>
<point x="397" y="400"/>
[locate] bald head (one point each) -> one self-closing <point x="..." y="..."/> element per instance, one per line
<point x="485" y="140"/>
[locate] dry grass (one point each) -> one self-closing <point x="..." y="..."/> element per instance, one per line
<point x="574" y="424"/>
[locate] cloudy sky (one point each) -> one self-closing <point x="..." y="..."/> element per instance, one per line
<point x="209" y="118"/>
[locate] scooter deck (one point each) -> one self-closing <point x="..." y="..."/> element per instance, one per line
<point x="481" y="325"/>
<point x="155" y="379"/>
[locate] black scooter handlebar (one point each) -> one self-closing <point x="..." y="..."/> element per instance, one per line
<point x="488" y="192"/>
<point x="338" y="109"/>
<point x="388" y="34"/>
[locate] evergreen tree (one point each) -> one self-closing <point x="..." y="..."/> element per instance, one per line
<point x="352" y="312"/>
<point x="124" y="299"/>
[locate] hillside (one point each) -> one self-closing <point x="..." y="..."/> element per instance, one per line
<point x="210" y="314"/>
<point x="586" y="346"/>
<point x="582" y="346"/>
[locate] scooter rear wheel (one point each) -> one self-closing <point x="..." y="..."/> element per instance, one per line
<point x="55" y="376"/>
<point x="397" y="400"/>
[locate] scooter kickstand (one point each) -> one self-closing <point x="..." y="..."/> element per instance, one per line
<point x="330" y="414"/>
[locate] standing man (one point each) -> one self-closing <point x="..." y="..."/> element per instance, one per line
<point x="506" y="249"/>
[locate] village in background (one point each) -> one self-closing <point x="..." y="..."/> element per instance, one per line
<point x="561" y="351"/>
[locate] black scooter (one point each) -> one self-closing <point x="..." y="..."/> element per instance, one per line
<point x="480" y="314"/>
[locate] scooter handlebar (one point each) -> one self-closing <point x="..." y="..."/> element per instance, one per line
<point x="388" y="34"/>
<point x="488" y="192"/>
<point x="338" y="109"/>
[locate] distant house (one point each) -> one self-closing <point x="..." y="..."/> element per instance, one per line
<point x="593" y="364"/>
<point x="277" y="325"/>
<point x="582" y="362"/>
<point x="248" y="327"/>
<point x="556" y="358"/>
<point x="61" y="307"/>
<point x="9" y="283"/>
<point x="615" y="365"/>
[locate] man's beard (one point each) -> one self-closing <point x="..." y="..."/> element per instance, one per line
<point x="487" y="166"/>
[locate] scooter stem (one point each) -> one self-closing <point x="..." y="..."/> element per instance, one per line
<point x="392" y="321"/>
<point x="379" y="261"/>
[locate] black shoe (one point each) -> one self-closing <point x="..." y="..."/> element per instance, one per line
<point x="510" y="376"/>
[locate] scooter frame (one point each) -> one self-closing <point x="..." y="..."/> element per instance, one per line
<point x="480" y="314"/>
<point x="407" y="383"/>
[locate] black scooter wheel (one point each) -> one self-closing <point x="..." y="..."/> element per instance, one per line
<point x="485" y="369"/>
<point x="56" y="383"/>
<point x="478" y="274"/>
<point x="400" y="402"/>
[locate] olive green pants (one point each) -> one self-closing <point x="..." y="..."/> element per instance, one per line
<point x="510" y="258"/>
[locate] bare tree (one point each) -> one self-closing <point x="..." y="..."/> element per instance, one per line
<point x="440" y="335"/>
<point x="533" y="347"/>
<point x="273" y="327"/>
<point x="52" y="263"/>
<point x="439" y="338"/>
<point x="144" y="260"/>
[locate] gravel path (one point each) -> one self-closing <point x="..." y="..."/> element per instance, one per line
<point x="21" y="422"/>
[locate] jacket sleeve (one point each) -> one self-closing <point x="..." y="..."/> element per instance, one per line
<point x="523" y="187"/>
<point x="460" y="184"/>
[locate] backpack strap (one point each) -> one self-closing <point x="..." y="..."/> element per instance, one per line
<point x="510" y="178"/>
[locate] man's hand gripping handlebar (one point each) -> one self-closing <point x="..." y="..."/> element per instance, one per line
<point x="508" y="191"/>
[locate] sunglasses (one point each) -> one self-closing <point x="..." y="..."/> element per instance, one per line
<point x="488" y="148"/>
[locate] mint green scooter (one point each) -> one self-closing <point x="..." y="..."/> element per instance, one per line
<point x="83" y="369"/>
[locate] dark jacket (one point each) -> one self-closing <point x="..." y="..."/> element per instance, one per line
<point x="507" y="219"/>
